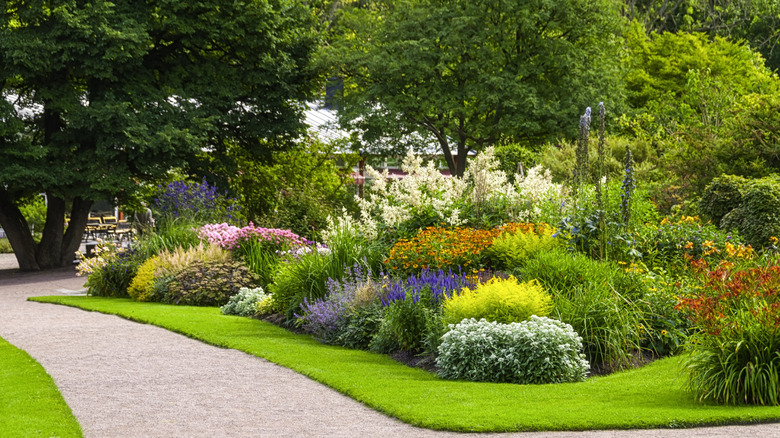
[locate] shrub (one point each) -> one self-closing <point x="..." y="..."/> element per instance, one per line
<point x="5" y="246"/>
<point x="261" y="248"/>
<point x="519" y="242"/>
<point x="440" y="248"/>
<point x="498" y="300"/>
<point x="245" y="302"/>
<point x="142" y="286"/>
<point x="721" y="196"/>
<point x="405" y="325"/>
<point x="735" y="353"/>
<point x="537" y="351"/>
<point x="671" y="244"/>
<point x="360" y="325"/>
<point x="114" y="277"/>
<point x="209" y="283"/>
<point x="758" y="217"/>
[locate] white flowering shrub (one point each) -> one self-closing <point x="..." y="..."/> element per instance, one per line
<point x="245" y="302"/>
<point x="425" y="197"/>
<point x="540" y="350"/>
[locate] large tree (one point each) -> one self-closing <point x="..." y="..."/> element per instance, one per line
<point x="98" y="96"/>
<point x="471" y="73"/>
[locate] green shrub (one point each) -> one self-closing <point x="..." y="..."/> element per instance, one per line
<point x="757" y="219"/>
<point x="245" y="302"/>
<point x="407" y="321"/>
<point x="142" y="286"/>
<point x="209" y="283"/>
<point x="113" y="278"/>
<point x="5" y="246"/>
<point x="360" y="325"/>
<point x="537" y="351"/>
<point x="171" y="234"/>
<point x="499" y="300"/>
<point x="511" y="249"/>
<point x="721" y="196"/>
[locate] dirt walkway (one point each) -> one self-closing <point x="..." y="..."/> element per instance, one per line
<point x="124" y="379"/>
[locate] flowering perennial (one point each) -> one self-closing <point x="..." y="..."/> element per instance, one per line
<point x="231" y="237"/>
<point x="440" y="248"/>
<point x="440" y="284"/>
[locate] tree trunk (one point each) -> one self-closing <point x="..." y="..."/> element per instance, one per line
<point x="18" y="233"/>
<point x="58" y="246"/>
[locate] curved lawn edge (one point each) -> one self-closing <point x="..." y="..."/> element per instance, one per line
<point x="645" y="398"/>
<point x="30" y="402"/>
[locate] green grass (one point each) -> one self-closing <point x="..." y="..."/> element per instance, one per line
<point x="30" y="403"/>
<point x="650" y="397"/>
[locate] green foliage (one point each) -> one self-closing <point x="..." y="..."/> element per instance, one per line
<point x="510" y="250"/>
<point x="499" y="300"/>
<point x="411" y="55"/>
<point x="113" y="278"/>
<point x="307" y="276"/>
<point x="360" y="325"/>
<point x="758" y="217"/>
<point x="5" y="246"/>
<point x="735" y="352"/>
<point x="142" y="286"/>
<point x="721" y="196"/>
<point x="406" y="323"/>
<point x="34" y="211"/>
<point x="245" y="302"/>
<point x="665" y="329"/>
<point x="169" y="236"/>
<point x="597" y="299"/>
<point x="659" y="65"/>
<point x="297" y="189"/>
<point x="671" y="244"/>
<point x="209" y="283"/>
<point x="512" y="156"/>
<point x="537" y="351"/>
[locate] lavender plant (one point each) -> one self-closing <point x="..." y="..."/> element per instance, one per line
<point x="324" y="317"/>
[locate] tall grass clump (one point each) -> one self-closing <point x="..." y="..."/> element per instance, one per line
<point x="595" y="298"/>
<point x="306" y="276"/>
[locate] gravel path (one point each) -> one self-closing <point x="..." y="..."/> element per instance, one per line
<point x="124" y="379"/>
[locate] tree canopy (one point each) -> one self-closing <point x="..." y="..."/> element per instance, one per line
<point x="471" y="73"/>
<point x="98" y="96"/>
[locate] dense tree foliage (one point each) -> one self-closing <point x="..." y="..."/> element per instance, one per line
<point x="471" y="73"/>
<point x="755" y="21"/>
<point x="100" y="95"/>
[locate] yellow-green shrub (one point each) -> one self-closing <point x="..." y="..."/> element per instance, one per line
<point x="180" y="259"/>
<point x="500" y="300"/>
<point x="514" y="246"/>
<point x="142" y="286"/>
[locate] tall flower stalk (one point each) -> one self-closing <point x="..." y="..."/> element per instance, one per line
<point x="629" y="184"/>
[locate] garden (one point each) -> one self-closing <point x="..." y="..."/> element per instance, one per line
<point x="548" y="289"/>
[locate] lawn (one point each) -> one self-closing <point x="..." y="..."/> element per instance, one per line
<point x="649" y="397"/>
<point x="30" y="403"/>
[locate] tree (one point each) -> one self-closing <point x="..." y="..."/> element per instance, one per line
<point x="755" y="21"/>
<point x="99" y="96"/>
<point x="471" y="73"/>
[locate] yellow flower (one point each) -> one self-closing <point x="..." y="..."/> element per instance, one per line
<point x="664" y="332"/>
